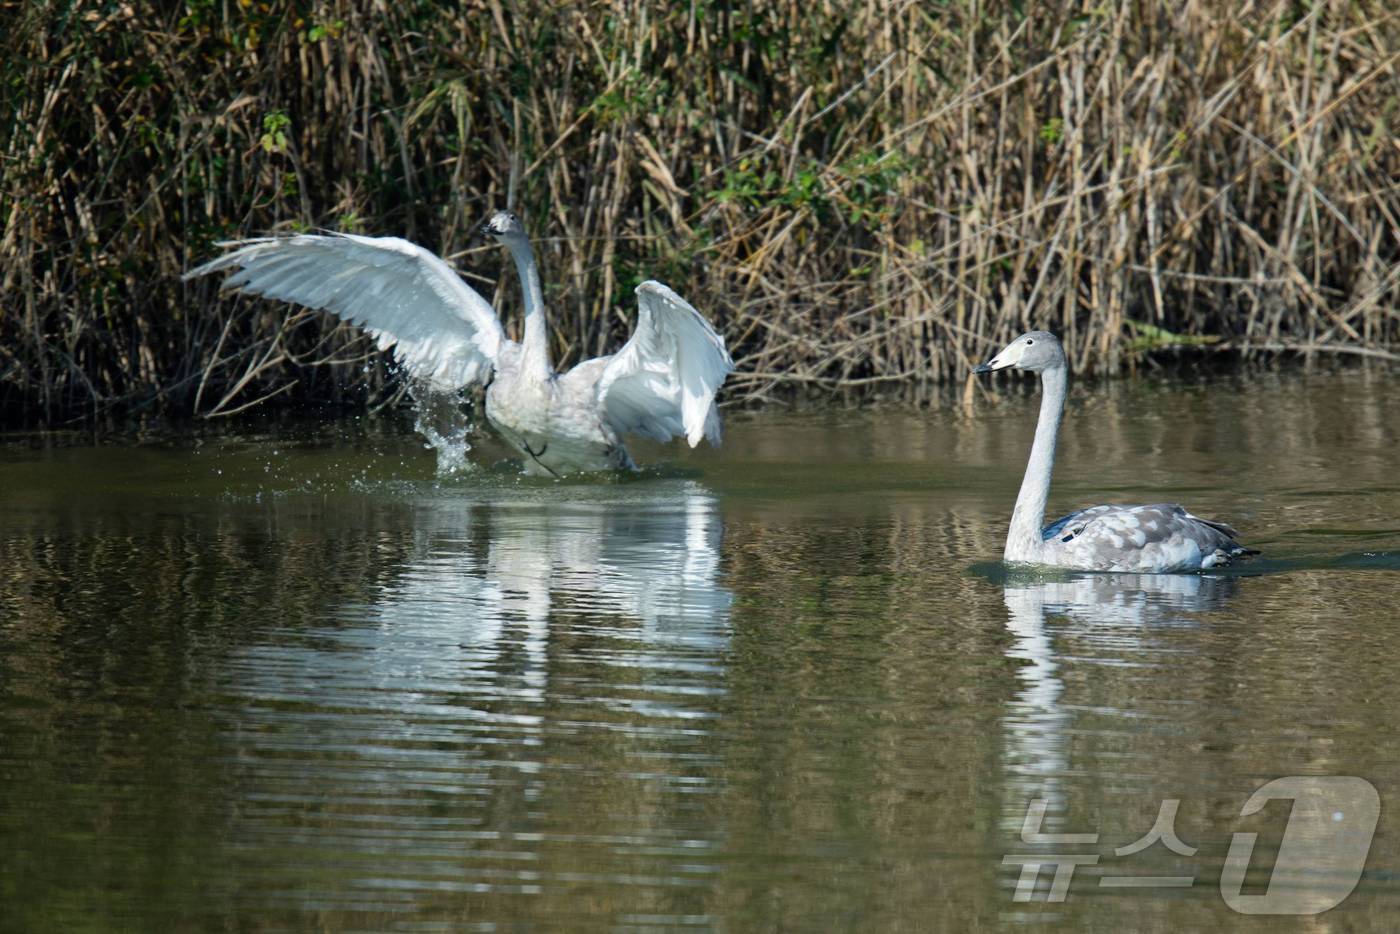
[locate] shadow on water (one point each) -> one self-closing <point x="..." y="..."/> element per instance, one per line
<point x="1115" y="611"/>
<point x="1068" y="627"/>
<point x="1109" y="607"/>
<point x="999" y="572"/>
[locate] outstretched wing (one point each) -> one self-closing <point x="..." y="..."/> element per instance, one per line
<point x="662" y="383"/>
<point x="440" y="329"/>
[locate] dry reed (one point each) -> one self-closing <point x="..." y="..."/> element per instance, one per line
<point x="863" y="195"/>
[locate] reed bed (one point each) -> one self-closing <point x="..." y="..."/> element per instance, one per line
<point x="868" y="197"/>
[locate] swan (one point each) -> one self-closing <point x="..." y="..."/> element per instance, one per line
<point x="1157" y="538"/>
<point x="661" y="384"/>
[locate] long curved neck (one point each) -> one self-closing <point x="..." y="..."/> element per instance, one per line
<point x="1024" y="540"/>
<point x="535" y="347"/>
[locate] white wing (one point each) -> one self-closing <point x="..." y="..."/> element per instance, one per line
<point x="663" y="382"/>
<point x="441" y="330"/>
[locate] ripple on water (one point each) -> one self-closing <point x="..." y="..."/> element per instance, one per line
<point x="423" y="733"/>
<point x="295" y="681"/>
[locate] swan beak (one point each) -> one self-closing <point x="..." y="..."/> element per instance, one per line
<point x="1000" y="362"/>
<point x="485" y="230"/>
<point x="992" y="365"/>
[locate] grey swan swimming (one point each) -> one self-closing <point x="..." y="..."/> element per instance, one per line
<point x="1158" y="538"/>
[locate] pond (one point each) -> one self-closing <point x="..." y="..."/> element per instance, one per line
<point x="287" y="678"/>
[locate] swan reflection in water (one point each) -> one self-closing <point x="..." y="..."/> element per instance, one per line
<point x="1114" y="617"/>
<point x="445" y="725"/>
<point x="474" y="596"/>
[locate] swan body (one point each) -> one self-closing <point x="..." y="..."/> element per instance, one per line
<point x="556" y="421"/>
<point x="661" y="384"/>
<point x="1157" y="538"/>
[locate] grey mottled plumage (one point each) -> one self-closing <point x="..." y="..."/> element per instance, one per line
<point x="1155" y="538"/>
<point x="662" y="383"/>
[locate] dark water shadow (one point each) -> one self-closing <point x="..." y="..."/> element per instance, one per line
<point x="1071" y="630"/>
<point x="1065" y="626"/>
<point x="1000" y="572"/>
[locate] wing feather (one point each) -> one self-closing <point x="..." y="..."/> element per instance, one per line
<point x="440" y="329"/>
<point x="662" y="383"/>
<point x="1159" y="536"/>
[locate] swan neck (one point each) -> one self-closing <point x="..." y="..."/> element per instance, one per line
<point x="1024" y="540"/>
<point x="535" y="346"/>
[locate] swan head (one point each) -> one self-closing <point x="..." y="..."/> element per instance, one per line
<point x="1034" y="351"/>
<point x="501" y="225"/>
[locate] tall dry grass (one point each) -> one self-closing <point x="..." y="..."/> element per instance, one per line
<point x="863" y="195"/>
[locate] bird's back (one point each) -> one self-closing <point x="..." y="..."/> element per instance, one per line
<point x="1158" y="537"/>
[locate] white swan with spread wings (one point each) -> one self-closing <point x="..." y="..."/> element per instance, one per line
<point x="661" y="384"/>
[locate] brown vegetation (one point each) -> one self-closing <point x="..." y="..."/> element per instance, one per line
<point x="860" y="194"/>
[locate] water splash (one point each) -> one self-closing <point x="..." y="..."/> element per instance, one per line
<point x="443" y="423"/>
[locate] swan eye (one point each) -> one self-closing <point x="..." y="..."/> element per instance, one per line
<point x="1029" y="342"/>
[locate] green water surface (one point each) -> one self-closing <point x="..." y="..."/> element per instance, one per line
<point x="285" y="678"/>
